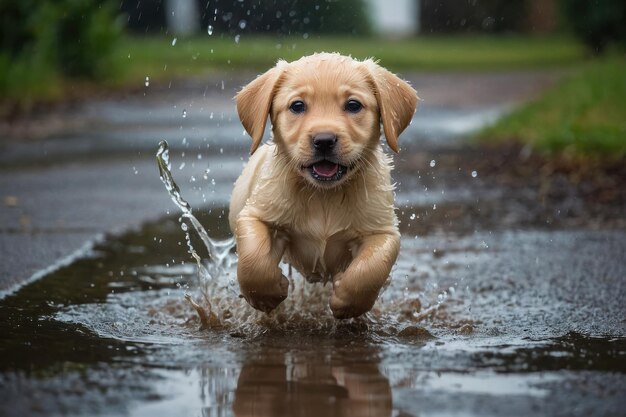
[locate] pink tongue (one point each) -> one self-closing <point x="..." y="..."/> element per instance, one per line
<point x="325" y="169"/>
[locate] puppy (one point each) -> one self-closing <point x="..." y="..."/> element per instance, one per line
<point x="319" y="195"/>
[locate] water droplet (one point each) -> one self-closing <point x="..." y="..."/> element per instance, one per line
<point x="210" y="30"/>
<point x="412" y="216"/>
<point x="182" y="165"/>
<point x="433" y="163"/>
<point x="147" y="81"/>
<point x="474" y="174"/>
<point x="434" y="206"/>
<point x="174" y="41"/>
<point x="242" y="24"/>
<point x="237" y="37"/>
<point x="184" y="113"/>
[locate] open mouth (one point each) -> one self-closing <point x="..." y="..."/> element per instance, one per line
<point x="326" y="170"/>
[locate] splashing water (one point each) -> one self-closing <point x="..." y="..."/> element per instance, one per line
<point x="307" y="306"/>
<point x="219" y="251"/>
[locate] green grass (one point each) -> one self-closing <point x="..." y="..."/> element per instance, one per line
<point x="584" y="115"/>
<point x="157" y="56"/>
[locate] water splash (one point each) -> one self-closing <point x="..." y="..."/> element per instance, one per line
<point x="306" y="308"/>
<point x="218" y="250"/>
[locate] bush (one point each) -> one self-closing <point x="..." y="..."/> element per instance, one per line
<point x="597" y="22"/>
<point x="86" y="36"/>
<point x="449" y="16"/>
<point x="44" y="38"/>
<point x="288" y="17"/>
<point x="271" y="17"/>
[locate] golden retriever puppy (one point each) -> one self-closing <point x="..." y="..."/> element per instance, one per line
<point x="319" y="195"/>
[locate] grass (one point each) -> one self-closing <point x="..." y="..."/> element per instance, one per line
<point x="584" y="115"/>
<point x="160" y="58"/>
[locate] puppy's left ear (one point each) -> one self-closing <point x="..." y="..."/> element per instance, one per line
<point x="397" y="101"/>
<point x="254" y="102"/>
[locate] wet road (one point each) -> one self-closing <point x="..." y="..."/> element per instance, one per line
<point x="506" y="300"/>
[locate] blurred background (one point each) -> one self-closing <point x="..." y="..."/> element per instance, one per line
<point x="55" y="52"/>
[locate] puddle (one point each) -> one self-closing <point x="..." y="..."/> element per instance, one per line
<point x="492" y="384"/>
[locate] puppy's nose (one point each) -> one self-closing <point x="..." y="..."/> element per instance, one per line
<point x="324" y="141"/>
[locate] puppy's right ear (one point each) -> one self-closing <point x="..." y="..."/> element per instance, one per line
<point x="254" y="102"/>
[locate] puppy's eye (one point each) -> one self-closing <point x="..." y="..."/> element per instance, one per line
<point x="297" y="107"/>
<point x="353" y="106"/>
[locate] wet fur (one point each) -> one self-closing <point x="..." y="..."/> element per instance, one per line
<point x="345" y="232"/>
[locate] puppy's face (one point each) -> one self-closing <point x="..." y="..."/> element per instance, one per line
<point x="325" y="116"/>
<point x="326" y="111"/>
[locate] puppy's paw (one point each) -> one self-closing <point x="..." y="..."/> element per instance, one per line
<point x="347" y="303"/>
<point x="268" y="299"/>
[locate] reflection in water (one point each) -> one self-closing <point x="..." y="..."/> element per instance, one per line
<point x="282" y="390"/>
<point x="319" y="382"/>
<point x="302" y="389"/>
